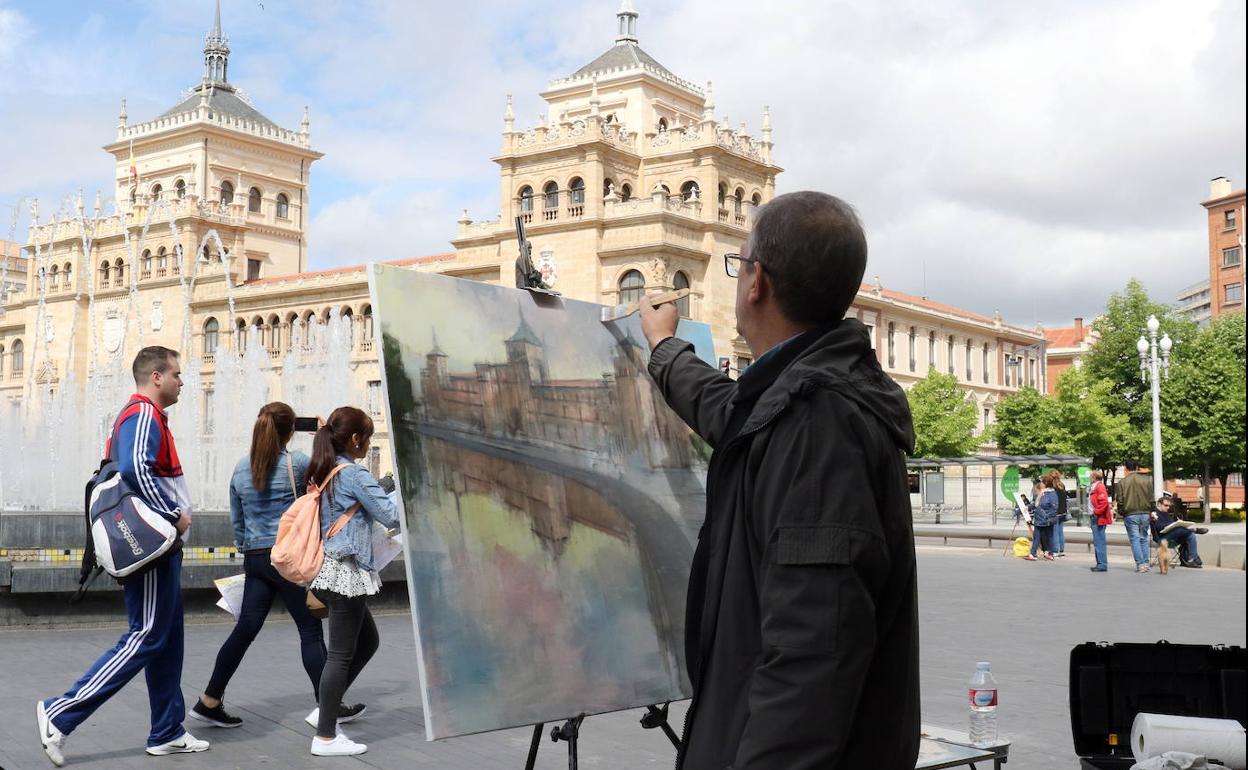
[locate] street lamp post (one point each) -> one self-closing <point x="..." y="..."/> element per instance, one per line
<point x="1150" y="364"/>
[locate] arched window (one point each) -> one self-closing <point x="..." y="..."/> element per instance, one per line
<point x="892" y="345"/>
<point x="145" y="265"/>
<point x="53" y="275"/>
<point x="970" y="361"/>
<point x="367" y="329"/>
<point x="985" y="363"/>
<point x="282" y="209"/>
<point x="119" y="271"/>
<point x="253" y="200"/>
<point x="931" y="350"/>
<point x="67" y="273"/>
<point x="681" y="281"/>
<point x="626" y="192"/>
<point x="723" y="194"/>
<point x="551" y="195"/>
<point x="292" y="321"/>
<point x="227" y="192"/>
<point x="17" y="354"/>
<point x="162" y="260"/>
<point x="577" y="188"/>
<point x="632" y="285"/>
<point x="179" y="188"/>
<point x="689" y="190"/>
<point x="348" y="319"/>
<point x="607" y="187"/>
<point x="211" y="331"/>
<point x="950" y="353"/>
<point x="1" y="362"/>
<point x="240" y="335"/>
<point x="526" y="200"/>
<point x="662" y="125"/>
<point x="257" y="323"/>
<point x="275" y="332"/>
<point x="737" y="199"/>
<point x="914" y="356"/>
<point x="156" y="191"/>
<point x="104" y="267"/>
<point x="757" y="200"/>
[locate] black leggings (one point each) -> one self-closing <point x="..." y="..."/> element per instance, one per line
<point x="262" y="584"/>
<point x="352" y="642"/>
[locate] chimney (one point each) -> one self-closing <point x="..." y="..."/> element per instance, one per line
<point x="1219" y="187"/>
<point x="1078" y="330"/>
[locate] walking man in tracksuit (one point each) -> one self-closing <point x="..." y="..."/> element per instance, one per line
<point x="153" y="643"/>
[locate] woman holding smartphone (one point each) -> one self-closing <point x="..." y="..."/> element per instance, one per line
<point x="352" y="500"/>
<point x="265" y="483"/>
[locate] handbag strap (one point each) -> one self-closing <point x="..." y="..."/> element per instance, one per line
<point x="290" y="473"/>
<point x="342" y="521"/>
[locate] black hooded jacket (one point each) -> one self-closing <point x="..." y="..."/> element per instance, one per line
<point x="802" y="615"/>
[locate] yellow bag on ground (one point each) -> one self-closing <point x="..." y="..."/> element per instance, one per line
<point x="1022" y="547"/>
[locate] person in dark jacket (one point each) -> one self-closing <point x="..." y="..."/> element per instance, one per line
<point x="802" y="613"/>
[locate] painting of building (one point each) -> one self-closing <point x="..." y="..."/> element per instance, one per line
<point x="551" y="502"/>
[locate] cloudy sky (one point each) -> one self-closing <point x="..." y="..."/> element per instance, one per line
<point x="1023" y="156"/>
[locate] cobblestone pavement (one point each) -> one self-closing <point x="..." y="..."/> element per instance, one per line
<point x="975" y="604"/>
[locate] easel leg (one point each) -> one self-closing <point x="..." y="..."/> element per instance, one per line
<point x="569" y="732"/>
<point x="533" y="745"/>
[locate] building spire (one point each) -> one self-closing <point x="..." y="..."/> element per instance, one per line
<point x="627" y="19"/>
<point x="509" y="117"/>
<point x="216" y="52"/>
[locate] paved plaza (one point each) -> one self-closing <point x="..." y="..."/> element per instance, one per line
<point x="975" y="604"/>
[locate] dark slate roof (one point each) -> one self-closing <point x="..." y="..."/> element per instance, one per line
<point x="222" y="101"/>
<point x="623" y="56"/>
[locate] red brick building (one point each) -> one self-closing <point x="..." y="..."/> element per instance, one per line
<point x="1225" y="209"/>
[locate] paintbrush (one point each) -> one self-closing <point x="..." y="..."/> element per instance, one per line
<point x="624" y="310"/>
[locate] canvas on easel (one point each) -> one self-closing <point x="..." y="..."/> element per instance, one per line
<point x="551" y="502"/>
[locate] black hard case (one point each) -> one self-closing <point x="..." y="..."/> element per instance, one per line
<point x="1111" y="683"/>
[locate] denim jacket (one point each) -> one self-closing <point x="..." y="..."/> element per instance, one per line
<point x="1044" y="512"/>
<point x="255" y="514"/>
<point x="354" y="484"/>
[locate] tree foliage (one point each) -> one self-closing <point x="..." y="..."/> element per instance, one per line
<point x="1025" y="423"/>
<point x="944" y="417"/>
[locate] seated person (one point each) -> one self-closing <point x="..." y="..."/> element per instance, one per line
<point x="1177" y="532"/>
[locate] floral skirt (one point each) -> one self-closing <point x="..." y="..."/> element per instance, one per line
<point x="345" y="578"/>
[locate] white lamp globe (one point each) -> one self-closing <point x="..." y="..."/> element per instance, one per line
<point x="1142" y="345"/>
<point x="1153" y="324"/>
<point x="1166" y="343"/>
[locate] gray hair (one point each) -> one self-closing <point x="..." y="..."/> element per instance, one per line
<point x="814" y="251"/>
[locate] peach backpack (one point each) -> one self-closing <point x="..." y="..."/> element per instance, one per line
<point x="298" y="552"/>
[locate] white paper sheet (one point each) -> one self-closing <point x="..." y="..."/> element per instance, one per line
<point x="387" y="544"/>
<point x="231" y="589"/>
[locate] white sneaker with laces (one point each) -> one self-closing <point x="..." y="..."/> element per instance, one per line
<point x="53" y="740"/>
<point x="340" y="746"/>
<point x="186" y="744"/>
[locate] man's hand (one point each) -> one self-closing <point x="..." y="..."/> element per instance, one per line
<point x="183" y="523"/>
<point x="658" y="323"/>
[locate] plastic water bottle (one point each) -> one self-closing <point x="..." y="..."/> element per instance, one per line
<point x="983" y="698"/>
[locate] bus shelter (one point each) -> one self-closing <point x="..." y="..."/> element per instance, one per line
<point x="923" y="465"/>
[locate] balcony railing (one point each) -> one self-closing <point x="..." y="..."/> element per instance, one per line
<point x="550" y="215"/>
<point x="527" y="217"/>
<point x="575" y="211"/>
<point x="366" y="346"/>
<point x="208" y="358"/>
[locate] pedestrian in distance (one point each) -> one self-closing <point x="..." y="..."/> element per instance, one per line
<point x="1134" y="497"/>
<point x="1043" y="517"/>
<point x="1059" y="525"/>
<point x="1166" y="523"/>
<point x="148" y="461"/>
<point x="347" y="577"/>
<point x="801" y="626"/>
<point x="265" y="483"/>
<point x="1102" y="517"/>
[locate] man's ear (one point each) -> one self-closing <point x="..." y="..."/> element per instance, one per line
<point x="761" y="288"/>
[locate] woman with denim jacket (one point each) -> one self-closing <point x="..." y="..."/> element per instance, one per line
<point x="347" y="577"/>
<point x="265" y="483"/>
<point x="1043" y="518"/>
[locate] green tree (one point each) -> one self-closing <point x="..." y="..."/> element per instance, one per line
<point x="1203" y="406"/>
<point x="1115" y="359"/>
<point x="1025" y="423"/>
<point x="1085" y="422"/>
<point x="944" y="417"/>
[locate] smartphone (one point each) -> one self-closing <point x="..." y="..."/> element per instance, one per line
<point x="305" y="424"/>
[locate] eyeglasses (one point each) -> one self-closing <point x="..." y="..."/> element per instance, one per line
<point x="732" y="264"/>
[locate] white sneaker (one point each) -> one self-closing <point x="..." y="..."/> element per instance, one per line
<point x="187" y="744"/>
<point x="340" y="746"/>
<point x="53" y="740"/>
<point x="345" y="714"/>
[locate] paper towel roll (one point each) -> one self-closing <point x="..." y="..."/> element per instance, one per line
<point x="1220" y="739"/>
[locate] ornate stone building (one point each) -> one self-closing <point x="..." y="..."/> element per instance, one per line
<point x="629" y="183"/>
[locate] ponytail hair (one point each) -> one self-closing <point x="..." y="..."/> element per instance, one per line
<point x="274" y="426"/>
<point x="334" y="438"/>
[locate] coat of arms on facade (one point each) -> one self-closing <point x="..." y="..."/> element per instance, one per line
<point x="112" y="331"/>
<point x="158" y="316"/>
<point x="546" y="266"/>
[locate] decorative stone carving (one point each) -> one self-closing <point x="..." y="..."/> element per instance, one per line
<point x="158" y="316"/>
<point x="113" y="330"/>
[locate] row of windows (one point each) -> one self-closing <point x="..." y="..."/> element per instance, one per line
<point x="17" y="352"/>
<point x="632" y="286"/>
<point x="254" y="197"/>
<point x="277" y="334"/>
<point x="931" y="353"/>
<point x="576" y="194"/>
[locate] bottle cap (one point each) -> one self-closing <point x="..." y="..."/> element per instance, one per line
<point x="983" y="665"/>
